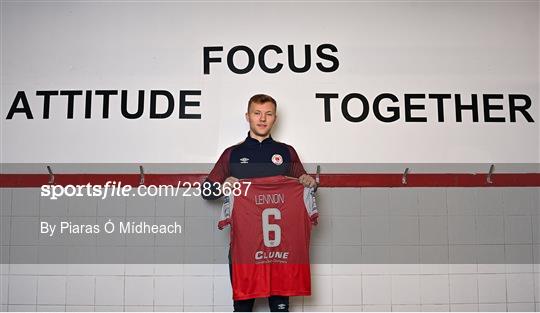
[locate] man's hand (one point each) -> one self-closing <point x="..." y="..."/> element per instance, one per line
<point x="307" y="181"/>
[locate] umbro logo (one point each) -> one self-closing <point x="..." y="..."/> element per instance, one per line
<point x="244" y="160"/>
<point x="281" y="306"/>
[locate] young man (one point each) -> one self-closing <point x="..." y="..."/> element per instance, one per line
<point x="258" y="156"/>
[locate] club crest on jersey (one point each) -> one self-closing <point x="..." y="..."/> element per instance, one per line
<point x="244" y="160"/>
<point x="277" y="159"/>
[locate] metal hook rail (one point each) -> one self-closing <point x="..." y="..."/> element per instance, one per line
<point x="335" y="180"/>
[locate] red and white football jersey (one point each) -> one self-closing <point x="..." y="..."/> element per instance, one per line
<point x="270" y="234"/>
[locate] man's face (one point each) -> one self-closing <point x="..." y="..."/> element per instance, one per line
<point x="261" y="118"/>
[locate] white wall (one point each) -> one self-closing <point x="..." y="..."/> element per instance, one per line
<point x="395" y="47"/>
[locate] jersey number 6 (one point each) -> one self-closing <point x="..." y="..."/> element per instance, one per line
<point x="267" y="227"/>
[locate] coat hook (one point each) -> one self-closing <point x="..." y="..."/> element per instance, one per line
<point x="404" y="177"/>
<point x="51" y="175"/>
<point x="141" y="173"/>
<point x="491" y="169"/>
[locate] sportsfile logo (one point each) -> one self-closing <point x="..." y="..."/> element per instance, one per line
<point x="109" y="189"/>
<point x="117" y="189"/>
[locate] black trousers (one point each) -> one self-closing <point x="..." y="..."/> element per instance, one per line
<point x="276" y="303"/>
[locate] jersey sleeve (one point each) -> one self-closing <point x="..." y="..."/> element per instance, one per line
<point x="221" y="170"/>
<point x="226" y="212"/>
<point x="296" y="169"/>
<point x="219" y="173"/>
<point x="311" y="205"/>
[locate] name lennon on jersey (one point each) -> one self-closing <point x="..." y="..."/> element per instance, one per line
<point x="270" y="198"/>
<point x="272" y="256"/>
